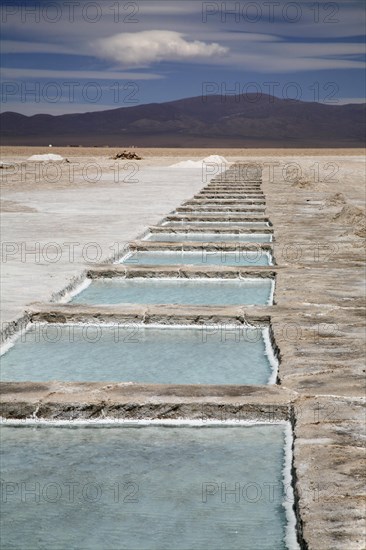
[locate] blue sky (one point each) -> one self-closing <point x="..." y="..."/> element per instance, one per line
<point x="75" y="56"/>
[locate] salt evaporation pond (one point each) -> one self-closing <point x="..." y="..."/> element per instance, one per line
<point x="210" y="237"/>
<point x="202" y="257"/>
<point x="128" y="352"/>
<point x="177" y="291"/>
<point x="144" y="487"/>
<point x="224" y="212"/>
<point x="200" y="222"/>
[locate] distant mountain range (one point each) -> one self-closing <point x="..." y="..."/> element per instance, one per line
<point x="217" y="122"/>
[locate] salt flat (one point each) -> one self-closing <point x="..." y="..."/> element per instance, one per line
<point x="317" y="318"/>
<point x="36" y="214"/>
<point x="97" y="205"/>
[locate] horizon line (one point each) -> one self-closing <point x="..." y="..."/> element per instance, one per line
<point x="105" y="108"/>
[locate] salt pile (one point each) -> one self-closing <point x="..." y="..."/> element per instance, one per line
<point x="334" y="200"/>
<point x="350" y="215"/>
<point x="354" y="217"/>
<point x="47" y="157"/>
<point x="212" y="159"/>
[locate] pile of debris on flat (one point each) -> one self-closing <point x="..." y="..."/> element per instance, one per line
<point x="5" y="165"/>
<point x="127" y="155"/>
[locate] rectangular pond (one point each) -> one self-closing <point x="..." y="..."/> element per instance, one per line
<point x="222" y="197"/>
<point x="177" y="291"/>
<point x="230" y="193"/>
<point x="222" y="206"/>
<point x="202" y="257"/>
<point x="191" y="236"/>
<point x="246" y="210"/>
<point x="223" y="215"/>
<point x="152" y="487"/>
<point x="199" y="222"/>
<point x="128" y="352"/>
<point x="226" y="217"/>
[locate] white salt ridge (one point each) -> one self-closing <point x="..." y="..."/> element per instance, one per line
<point x="212" y="159"/>
<point x="68" y="296"/>
<point x="10" y="342"/>
<point x="271" y="297"/>
<point x="288" y="503"/>
<point x="48" y="157"/>
<point x="269" y="351"/>
<point x="109" y="421"/>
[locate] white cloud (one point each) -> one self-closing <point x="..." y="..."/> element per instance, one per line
<point x="283" y="57"/>
<point x="264" y="63"/>
<point x="146" y="47"/>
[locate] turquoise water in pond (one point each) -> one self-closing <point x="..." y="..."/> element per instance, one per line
<point x="229" y="216"/>
<point x="220" y="196"/>
<point x="178" y="291"/>
<point x="220" y="213"/>
<point x="218" y="257"/>
<point x="229" y="194"/>
<point x="150" y="488"/>
<point x="210" y="206"/>
<point x="128" y="352"/>
<point x="210" y="237"/>
<point x="204" y="223"/>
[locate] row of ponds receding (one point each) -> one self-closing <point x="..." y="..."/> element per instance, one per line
<point x="176" y="309"/>
<point x="200" y="265"/>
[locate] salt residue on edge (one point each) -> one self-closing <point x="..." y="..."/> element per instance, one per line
<point x="193" y="252"/>
<point x="68" y="296"/>
<point x="273" y="361"/>
<point x="271" y="296"/>
<point x="109" y="421"/>
<point x="212" y="159"/>
<point x="48" y="157"/>
<point x="289" y="498"/>
<point x="10" y="342"/>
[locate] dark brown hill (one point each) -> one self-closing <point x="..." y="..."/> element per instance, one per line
<point x="218" y="121"/>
